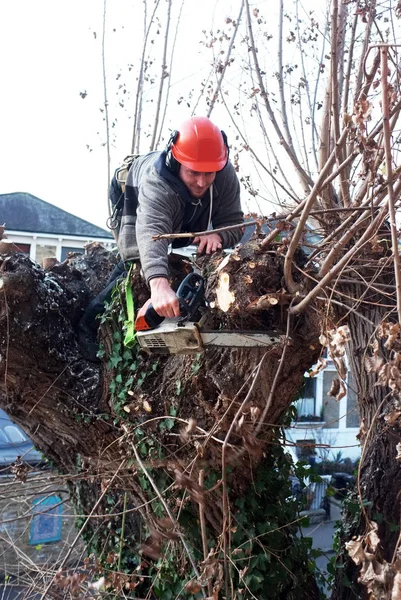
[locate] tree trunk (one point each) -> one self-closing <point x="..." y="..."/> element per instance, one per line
<point x="373" y="509"/>
<point x="188" y="443"/>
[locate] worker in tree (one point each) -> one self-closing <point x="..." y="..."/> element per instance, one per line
<point x="190" y="186"/>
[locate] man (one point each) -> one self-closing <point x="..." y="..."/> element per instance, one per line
<point x="190" y="186"/>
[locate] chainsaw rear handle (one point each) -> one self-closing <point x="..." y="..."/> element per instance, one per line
<point x="190" y="297"/>
<point x="147" y="318"/>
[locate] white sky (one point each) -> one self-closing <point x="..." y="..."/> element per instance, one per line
<point x="49" y="55"/>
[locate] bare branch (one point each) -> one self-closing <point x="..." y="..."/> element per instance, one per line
<point x="164" y="74"/>
<point x="389" y="169"/>
<point x="226" y="62"/>
<point x="306" y="181"/>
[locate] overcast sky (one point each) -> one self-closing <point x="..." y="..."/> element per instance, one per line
<point x="51" y="138"/>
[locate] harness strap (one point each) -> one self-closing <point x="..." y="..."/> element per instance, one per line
<point x="130" y="337"/>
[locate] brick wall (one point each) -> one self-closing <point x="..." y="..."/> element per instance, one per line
<point x="30" y="515"/>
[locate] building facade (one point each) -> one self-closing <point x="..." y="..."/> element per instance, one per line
<point x="325" y="428"/>
<point x="43" y="230"/>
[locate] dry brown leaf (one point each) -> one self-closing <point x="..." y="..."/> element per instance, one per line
<point x="255" y="413"/>
<point x="152" y="549"/>
<point x="341" y="367"/>
<point x="335" y="387"/>
<point x="372" y="538"/>
<point x="373" y="364"/>
<point x="320" y="366"/>
<point x="396" y="591"/>
<point x="355" y="550"/>
<point x="392" y="417"/>
<point x="362" y="430"/>
<point x="398" y="448"/>
<point x="342" y="393"/>
<point x="193" y="587"/>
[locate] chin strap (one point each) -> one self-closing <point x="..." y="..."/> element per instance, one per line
<point x="211" y="206"/>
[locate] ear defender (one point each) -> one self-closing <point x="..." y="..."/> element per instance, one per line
<point x="225" y="143"/>
<point x="171" y="163"/>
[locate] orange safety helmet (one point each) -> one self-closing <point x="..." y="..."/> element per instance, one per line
<point x="200" y="145"/>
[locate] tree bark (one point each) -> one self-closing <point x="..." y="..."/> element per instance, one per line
<point x="176" y="420"/>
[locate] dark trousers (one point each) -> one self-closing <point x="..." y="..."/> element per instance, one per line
<point x="95" y="309"/>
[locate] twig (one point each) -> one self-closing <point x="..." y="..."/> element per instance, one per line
<point x="139" y="93"/>
<point x="305" y="179"/>
<point x="226" y="62"/>
<point x="276" y="376"/>
<point x="78" y="536"/>
<point x="336" y="268"/>
<point x="226" y="508"/>
<point x="203" y="527"/>
<point x="291" y="286"/>
<point x="173" y="236"/>
<point x="167" y="509"/>
<point x="163" y="76"/>
<point x="309" y="200"/>
<point x="335" y="99"/>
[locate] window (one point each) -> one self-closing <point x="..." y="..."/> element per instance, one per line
<point x="44" y="251"/>
<point x="25" y="248"/>
<point x="306" y="449"/>
<point x="65" y="250"/>
<point x="46" y="523"/>
<point x="14" y="434"/>
<point x="306" y="404"/>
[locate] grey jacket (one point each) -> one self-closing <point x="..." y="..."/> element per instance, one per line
<point x="156" y="201"/>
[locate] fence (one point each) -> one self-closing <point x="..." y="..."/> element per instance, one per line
<point x="317" y="494"/>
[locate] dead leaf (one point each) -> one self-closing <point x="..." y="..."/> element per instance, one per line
<point x="320" y="366"/>
<point x="193" y="587"/>
<point x="355" y="550"/>
<point x="396" y="591"/>
<point x="372" y="539"/>
<point x="392" y="417"/>
<point x="335" y="387"/>
<point x="373" y="364"/>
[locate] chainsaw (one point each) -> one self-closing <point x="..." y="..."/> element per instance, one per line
<point x="189" y="333"/>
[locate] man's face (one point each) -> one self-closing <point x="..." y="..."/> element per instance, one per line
<point x="196" y="182"/>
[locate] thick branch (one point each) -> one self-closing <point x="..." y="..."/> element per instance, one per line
<point x="389" y="169"/>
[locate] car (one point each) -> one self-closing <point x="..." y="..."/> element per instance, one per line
<point x="15" y="443"/>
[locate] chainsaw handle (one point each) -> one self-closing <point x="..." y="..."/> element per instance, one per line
<point x="190" y="297"/>
<point x="147" y="318"/>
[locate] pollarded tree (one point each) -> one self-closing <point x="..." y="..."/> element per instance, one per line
<point x="174" y="462"/>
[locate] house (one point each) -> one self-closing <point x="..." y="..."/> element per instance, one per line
<point x="43" y="230"/>
<point x="324" y="427"/>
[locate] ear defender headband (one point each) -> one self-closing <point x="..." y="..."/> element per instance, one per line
<point x="225" y="143"/>
<point x="172" y="163"/>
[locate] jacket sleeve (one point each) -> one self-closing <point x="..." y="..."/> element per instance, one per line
<point x="159" y="212"/>
<point x="227" y="207"/>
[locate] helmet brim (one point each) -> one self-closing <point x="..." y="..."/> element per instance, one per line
<point x="204" y="167"/>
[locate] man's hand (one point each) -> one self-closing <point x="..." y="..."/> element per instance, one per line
<point x="164" y="300"/>
<point x="208" y="243"/>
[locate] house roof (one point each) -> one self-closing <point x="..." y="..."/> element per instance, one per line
<point x="24" y="212"/>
